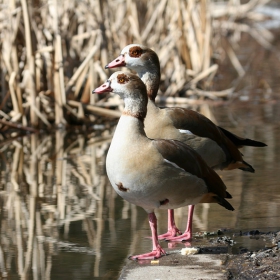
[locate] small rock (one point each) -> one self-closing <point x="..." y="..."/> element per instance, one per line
<point x="261" y="255"/>
<point x="257" y="262"/>
<point x="243" y="250"/>
<point x="254" y="232"/>
<point x="268" y="251"/>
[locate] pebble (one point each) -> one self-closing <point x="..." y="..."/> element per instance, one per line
<point x="257" y="262"/>
<point x="268" y="250"/>
<point x="254" y="232"/>
<point x="261" y="255"/>
<point x="243" y="250"/>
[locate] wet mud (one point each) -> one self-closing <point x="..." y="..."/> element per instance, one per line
<point x="258" y="264"/>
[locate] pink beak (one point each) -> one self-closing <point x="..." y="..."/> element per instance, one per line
<point x="118" y="62"/>
<point x="103" y="88"/>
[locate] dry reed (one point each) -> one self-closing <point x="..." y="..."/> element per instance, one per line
<point x="53" y="53"/>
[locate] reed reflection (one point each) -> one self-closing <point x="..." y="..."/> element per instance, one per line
<point x="47" y="184"/>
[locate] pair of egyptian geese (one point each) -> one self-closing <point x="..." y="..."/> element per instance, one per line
<point x="164" y="158"/>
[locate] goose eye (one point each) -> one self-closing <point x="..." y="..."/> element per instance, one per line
<point x="122" y="79"/>
<point x="135" y="52"/>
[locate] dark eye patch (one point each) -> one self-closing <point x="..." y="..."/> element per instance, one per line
<point x="122" y="79"/>
<point x="135" y="51"/>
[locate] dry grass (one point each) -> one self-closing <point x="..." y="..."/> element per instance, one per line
<point x="53" y="52"/>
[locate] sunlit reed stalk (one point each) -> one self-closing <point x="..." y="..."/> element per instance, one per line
<point x="30" y="60"/>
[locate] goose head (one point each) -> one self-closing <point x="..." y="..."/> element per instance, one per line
<point x="131" y="89"/>
<point x="142" y="60"/>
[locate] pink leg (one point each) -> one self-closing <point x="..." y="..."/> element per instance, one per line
<point x="172" y="229"/>
<point x="157" y="250"/>
<point x="187" y="235"/>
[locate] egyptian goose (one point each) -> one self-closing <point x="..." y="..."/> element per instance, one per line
<point x="173" y="174"/>
<point x="217" y="146"/>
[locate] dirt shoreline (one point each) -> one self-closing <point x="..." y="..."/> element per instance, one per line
<point x="215" y="259"/>
<point x="258" y="264"/>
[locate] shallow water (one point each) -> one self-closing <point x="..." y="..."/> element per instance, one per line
<point x="61" y="219"/>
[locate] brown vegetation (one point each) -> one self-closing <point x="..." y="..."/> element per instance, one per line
<point x="53" y="53"/>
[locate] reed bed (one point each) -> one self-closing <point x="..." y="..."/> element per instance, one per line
<point x="53" y="53"/>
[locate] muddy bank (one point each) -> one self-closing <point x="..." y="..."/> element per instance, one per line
<point x="258" y="264"/>
<point x="221" y="255"/>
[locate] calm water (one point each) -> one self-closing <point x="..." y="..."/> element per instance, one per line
<point x="61" y="219"/>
